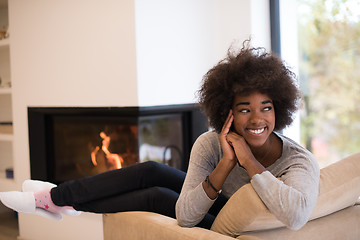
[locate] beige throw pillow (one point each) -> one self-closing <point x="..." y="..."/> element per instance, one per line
<point x="339" y="188"/>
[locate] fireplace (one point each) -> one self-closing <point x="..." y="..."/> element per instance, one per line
<point x="70" y="143"/>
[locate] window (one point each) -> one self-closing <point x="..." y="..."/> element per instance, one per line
<point x="328" y="39"/>
<point x="320" y="40"/>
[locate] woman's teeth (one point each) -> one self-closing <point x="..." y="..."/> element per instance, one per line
<point x="257" y="131"/>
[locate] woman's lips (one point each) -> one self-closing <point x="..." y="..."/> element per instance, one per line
<point x="256" y="131"/>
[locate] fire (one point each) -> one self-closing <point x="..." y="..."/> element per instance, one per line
<point x="93" y="155"/>
<point x="114" y="160"/>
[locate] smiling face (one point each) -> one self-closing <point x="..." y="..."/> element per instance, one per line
<point x="254" y="118"/>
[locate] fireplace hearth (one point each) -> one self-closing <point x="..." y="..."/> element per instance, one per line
<point x="71" y="142"/>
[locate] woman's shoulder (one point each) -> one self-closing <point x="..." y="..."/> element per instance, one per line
<point x="209" y="137"/>
<point x="208" y="142"/>
<point x="291" y="146"/>
<point x="295" y="154"/>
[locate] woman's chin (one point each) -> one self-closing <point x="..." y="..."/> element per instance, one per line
<point x="256" y="141"/>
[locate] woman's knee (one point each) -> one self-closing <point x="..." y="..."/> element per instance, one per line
<point x="156" y="170"/>
<point x="158" y="174"/>
<point x="151" y="165"/>
<point x="151" y="169"/>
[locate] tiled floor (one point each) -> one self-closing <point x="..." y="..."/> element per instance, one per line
<point x="9" y="229"/>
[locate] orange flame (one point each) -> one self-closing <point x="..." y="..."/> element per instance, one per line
<point x="93" y="155"/>
<point x="115" y="160"/>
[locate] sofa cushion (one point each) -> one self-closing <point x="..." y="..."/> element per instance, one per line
<point x="154" y="226"/>
<point x="339" y="188"/>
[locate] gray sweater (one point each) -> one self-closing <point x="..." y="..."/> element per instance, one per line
<point x="290" y="199"/>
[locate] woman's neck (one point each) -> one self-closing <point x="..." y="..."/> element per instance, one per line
<point x="268" y="153"/>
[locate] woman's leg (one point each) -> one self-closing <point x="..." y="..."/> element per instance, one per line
<point x="154" y="199"/>
<point x="149" y="186"/>
<point x="117" y="182"/>
<point x="144" y="187"/>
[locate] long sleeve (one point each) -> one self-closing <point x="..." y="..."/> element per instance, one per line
<point x="193" y="202"/>
<point x="293" y="198"/>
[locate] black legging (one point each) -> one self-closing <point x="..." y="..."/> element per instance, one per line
<point x="147" y="186"/>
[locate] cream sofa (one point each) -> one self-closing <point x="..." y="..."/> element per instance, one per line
<point x="336" y="215"/>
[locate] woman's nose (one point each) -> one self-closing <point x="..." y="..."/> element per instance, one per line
<point x="255" y="118"/>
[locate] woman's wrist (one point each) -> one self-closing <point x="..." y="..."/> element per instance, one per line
<point x="207" y="180"/>
<point x="217" y="178"/>
<point x="226" y="165"/>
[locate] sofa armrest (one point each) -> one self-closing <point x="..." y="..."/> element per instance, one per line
<point x="153" y="226"/>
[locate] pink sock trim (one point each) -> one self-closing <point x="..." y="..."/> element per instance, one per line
<point x="43" y="200"/>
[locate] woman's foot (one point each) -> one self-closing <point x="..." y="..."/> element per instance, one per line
<point x="36" y="199"/>
<point x="24" y="202"/>
<point x="19" y="201"/>
<point x="43" y="200"/>
<point x="43" y="197"/>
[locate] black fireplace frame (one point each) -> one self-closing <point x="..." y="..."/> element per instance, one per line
<point x="40" y="122"/>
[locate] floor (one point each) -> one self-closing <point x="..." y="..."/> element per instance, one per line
<point x="9" y="229"/>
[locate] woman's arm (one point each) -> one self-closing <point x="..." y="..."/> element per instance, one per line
<point x="193" y="202"/>
<point x="293" y="198"/>
<point x="206" y="175"/>
<point x="217" y="177"/>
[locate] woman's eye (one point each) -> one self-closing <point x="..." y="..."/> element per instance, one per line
<point x="267" y="108"/>
<point x="244" y="110"/>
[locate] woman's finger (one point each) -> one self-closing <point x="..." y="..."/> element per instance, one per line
<point x="228" y="122"/>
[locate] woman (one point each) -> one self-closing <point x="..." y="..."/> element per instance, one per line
<point x="247" y="96"/>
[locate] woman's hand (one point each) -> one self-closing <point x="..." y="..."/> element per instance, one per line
<point x="236" y="149"/>
<point x="241" y="148"/>
<point x="228" y="150"/>
<point x="229" y="141"/>
<point x="244" y="154"/>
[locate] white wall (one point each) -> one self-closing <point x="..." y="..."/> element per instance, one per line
<point x="178" y="41"/>
<point x="260" y="24"/>
<point x="114" y="53"/>
<point x="175" y="43"/>
<point x="74" y="52"/>
<point x="68" y="53"/>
